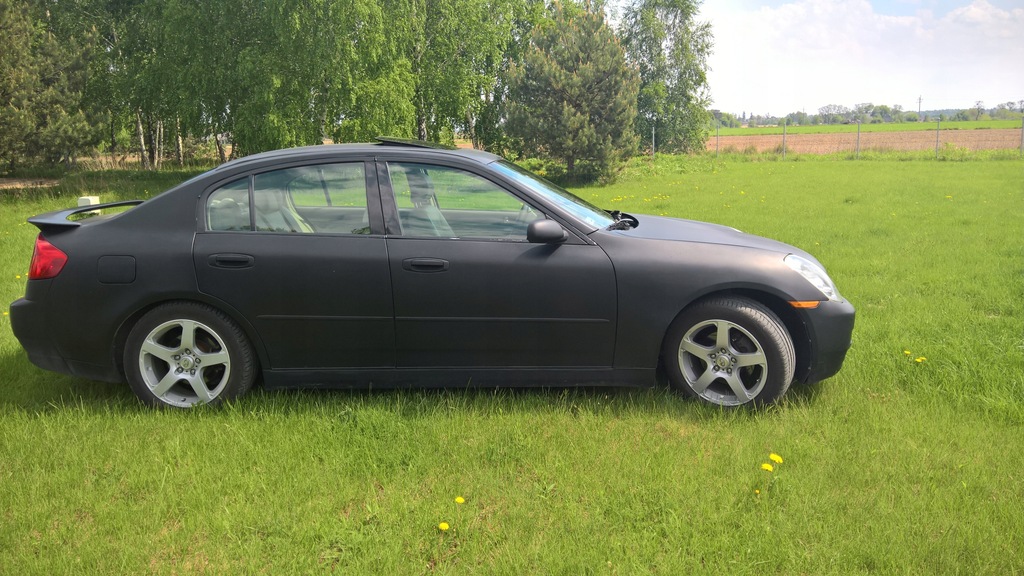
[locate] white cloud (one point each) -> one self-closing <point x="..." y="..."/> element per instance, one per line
<point x="808" y="53"/>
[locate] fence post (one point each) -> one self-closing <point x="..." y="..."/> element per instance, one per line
<point x="1022" y="136"/>
<point x="784" y="139"/>
<point x="938" y="124"/>
<point x="652" y="139"/>
<point x="858" y="139"/>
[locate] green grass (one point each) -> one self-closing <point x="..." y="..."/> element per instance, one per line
<point x="885" y="127"/>
<point x="892" y="466"/>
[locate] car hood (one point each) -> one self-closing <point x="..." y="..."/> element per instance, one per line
<point x="677" y="229"/>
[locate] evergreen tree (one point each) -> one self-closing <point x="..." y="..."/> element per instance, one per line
<point x="573" y="99"/>
<point x="40" y="92"/>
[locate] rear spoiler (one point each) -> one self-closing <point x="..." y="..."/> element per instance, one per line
<point x="59" y="218"/>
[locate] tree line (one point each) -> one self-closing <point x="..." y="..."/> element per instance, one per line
<point x="164" y="80"/>
<point x="868" y="113"/>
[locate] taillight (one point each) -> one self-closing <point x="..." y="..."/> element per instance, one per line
<point x="47" y="260"/>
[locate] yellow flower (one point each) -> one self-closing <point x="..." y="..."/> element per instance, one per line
<point x="907" y="352"/>
<point x="460" y="500"/>
<point x="920" y="359"/>
<point x="443" y="526"/>
<point x="758" y="492"/>
<point x="775" y="458"/>
<point x="18" y="277"/>
<point x="768" y="467"/>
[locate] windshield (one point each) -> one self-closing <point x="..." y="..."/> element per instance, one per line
<point x="558" y="196"/>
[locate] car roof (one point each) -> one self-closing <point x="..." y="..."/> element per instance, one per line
<point x="413" y="147"/>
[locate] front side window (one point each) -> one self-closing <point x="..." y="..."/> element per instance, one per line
<point x="325" y="198"/>
<point x="441" y="201"/>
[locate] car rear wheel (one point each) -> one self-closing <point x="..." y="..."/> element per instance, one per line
<point x="729" y="351"/>
<point x="183" y="354"/>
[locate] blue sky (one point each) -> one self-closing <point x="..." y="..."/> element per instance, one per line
<point x="781" y="56"/>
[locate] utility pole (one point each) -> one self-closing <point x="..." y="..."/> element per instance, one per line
<point x="919" y="119"/>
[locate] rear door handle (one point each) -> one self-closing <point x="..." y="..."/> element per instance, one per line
<point x="425" y="265"/>
<point x="232" y="261"/>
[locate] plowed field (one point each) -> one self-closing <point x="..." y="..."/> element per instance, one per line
<point x="829" y="143"/>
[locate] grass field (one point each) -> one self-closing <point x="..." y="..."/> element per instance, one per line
<point x="884" y="127"/>
<point x="892" y="466"/>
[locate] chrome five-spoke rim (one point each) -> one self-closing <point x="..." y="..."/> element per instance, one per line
<point x="723" y="363"/>
<point x="184" y="362"/>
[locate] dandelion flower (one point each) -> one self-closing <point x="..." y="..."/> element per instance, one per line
<point x="907" y="352"/>
<point x="460" y="500"/>
<point x="768" y="467"/>
<point x="758" y="492"/>
<point x="775" y="458"/>
<point x="920" y="359"/>
<point x="443" y="526"/>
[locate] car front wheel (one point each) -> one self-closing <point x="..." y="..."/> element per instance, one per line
<point x="183" y="354"/>
<point x="729" y="351"/>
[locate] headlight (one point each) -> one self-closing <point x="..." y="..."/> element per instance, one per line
<point x="815" y="275"/>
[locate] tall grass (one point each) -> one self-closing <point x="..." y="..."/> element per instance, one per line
<point x="892" y="466"/>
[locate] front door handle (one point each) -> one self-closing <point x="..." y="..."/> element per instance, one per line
<point x="425" y="265"/>
<point x="232" y="261"/>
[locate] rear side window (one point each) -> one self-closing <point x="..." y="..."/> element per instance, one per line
<point x="228" y="207"/>
<point x="330" y="185"/>
<point x="325" y="198"/>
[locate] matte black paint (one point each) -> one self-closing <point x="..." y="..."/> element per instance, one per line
<point x="385" y="310"/>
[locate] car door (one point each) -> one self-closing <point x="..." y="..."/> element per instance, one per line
<point x="300" y="253"/>
<point x="471" y="291"/>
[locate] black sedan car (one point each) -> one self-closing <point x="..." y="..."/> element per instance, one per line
<point x="399" y="264"/>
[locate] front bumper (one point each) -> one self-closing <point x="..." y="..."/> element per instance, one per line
<point x="830" y="328"/>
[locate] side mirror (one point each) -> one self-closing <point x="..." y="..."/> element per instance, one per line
<point x="544" y="231"/>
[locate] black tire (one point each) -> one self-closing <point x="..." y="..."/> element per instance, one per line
<point x="729" y="351"/>
<point x="182" y="354"/>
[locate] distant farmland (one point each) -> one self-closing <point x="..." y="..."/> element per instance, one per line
<point x="831" y="139"/>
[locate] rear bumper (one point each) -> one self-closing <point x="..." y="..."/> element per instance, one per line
<point x="29" y="326"/>
<point x="830" y="328"/>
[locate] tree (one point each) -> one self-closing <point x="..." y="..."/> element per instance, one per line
<point x="862" y="112"/>
<point x="1005" y="111"/>
<point x="455" y="48"/>
<point x="798" y="119"/>
<point x="979" y="109"/>
<point x="727" y="120"/>
<point x="833" y="113"/>
<point x="41" y="118"/>
<point x="670" y="49"/>
<point x="488" y="131"/>
<point x="574" y="97"/>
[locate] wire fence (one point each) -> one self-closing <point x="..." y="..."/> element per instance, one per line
<point x="939" y="140"/>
